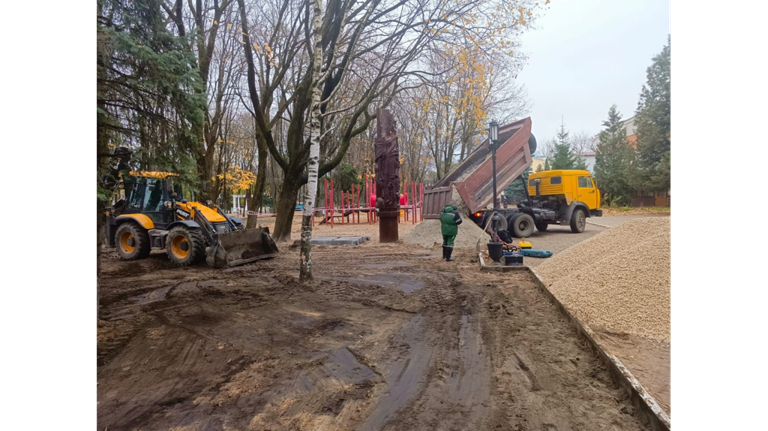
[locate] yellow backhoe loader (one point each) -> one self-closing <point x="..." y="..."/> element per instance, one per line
<point x="150" y="213"/>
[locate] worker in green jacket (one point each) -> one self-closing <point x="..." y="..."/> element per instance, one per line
<point x="449" y="224"/>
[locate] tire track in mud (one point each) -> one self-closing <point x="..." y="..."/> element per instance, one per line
<point x="403" y="376"/>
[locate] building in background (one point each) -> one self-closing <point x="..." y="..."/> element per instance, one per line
<point x="589" y="159"/>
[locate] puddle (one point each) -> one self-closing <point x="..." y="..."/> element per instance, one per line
<point x="341" y="367"/>
<point x="386" y="265"/>
<point x="153" y="296"/>
<point x="426" y="256"/>
<point x="403" y="281"/>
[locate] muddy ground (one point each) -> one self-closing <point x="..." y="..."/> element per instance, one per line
<point x="387" y="337"/>
<point x="648" y="360"/>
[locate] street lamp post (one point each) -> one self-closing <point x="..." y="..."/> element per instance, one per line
<point x="493" y="140"/>
<point x="495" y="247"/>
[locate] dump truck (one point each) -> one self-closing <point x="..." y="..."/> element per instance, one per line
<point x="563" y="197"/>
<point x="149" y="212"/>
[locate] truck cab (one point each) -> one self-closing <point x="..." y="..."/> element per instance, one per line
<point x="564" y="197"/>
<point x="568" y="186"/>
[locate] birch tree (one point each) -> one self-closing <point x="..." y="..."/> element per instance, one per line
<point x="314" y="147"/>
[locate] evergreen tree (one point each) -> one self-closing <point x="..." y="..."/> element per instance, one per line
<point x="541" y="168"/>
<point x="563" y="157"/>
<point x="516" y="191"/>
<point x="613" y="160"/>
<point x="653" y="125"/>
<point x="147" y="95"/>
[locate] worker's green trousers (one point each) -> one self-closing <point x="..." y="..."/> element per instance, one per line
<point x="448" y="240"/>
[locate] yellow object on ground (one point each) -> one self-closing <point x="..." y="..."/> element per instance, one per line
<point x="524" y="244"/>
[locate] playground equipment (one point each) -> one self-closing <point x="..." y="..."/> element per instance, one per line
<point x="360" y="199"/>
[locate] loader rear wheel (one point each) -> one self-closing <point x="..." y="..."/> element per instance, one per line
<point x="132" y="241"/>
<point x="185" y="246"/>
<point x="542" y="226"/>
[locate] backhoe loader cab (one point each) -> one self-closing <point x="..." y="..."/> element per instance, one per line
<point x="151" y="213"/>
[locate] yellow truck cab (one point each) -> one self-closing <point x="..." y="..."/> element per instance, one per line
<point x="570" y="195"/>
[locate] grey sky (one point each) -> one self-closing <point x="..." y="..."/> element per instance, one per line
<point x="585" y="55"/>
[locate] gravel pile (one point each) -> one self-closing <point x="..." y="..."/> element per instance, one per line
<point x="618" y="280"/>
<point x="428" y="233"/>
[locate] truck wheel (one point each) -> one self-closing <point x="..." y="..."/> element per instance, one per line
<point x="522" y="226"/>
<point x="578" y="221"/>
<point x="132" y="241"/>
<point x="487" y="220"/>
<point x="542" y="226"/>
<point x="185" y="246"/>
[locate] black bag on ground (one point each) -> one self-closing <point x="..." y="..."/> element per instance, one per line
<point x="505" y="236"/>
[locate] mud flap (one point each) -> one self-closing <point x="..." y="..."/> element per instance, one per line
<point x="241" y="247"/>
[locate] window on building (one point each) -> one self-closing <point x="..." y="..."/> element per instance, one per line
<point x="556" y="180"/>
<point x="585" y="182"/>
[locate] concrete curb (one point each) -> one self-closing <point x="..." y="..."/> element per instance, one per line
<point x="641" y="399"/>
<point x="598" y="224"/>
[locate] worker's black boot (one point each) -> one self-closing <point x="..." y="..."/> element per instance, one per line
<point x="445" y="252"/>
<point x="448" y="252"/>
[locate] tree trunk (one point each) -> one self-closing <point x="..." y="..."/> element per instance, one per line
<point x="285" y="207"/>
<point x="314" y="150"/>
<point x="99" y="228"/>
<point x="261" y="181"/>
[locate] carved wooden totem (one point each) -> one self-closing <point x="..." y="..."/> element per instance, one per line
<point x="387" y="176"/>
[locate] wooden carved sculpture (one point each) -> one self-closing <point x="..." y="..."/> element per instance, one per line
<point x="387" y="176"/>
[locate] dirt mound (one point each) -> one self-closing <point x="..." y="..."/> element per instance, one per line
<point x="618" y="280"/>
<point x="428" y="234"/>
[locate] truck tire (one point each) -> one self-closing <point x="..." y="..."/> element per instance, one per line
<point x="502" y="222"/>
<point x="511" y="220"/>
<point x="578" y="221"/>
<point x="522" y="226"/>
<point x="542" y="226"/>
<point x="132" y="241"/>
<point x="185" y="246"/>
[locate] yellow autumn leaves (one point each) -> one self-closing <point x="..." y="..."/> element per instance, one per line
<point x="236" y="179"/>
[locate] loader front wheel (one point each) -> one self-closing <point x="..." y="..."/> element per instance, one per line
<point x="132" y="241"/>
<point x="185" y="246"/>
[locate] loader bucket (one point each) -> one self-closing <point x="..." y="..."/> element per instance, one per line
<point x="241" y="247"/>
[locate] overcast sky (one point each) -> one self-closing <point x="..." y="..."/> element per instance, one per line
<point x="585" y="55"/>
